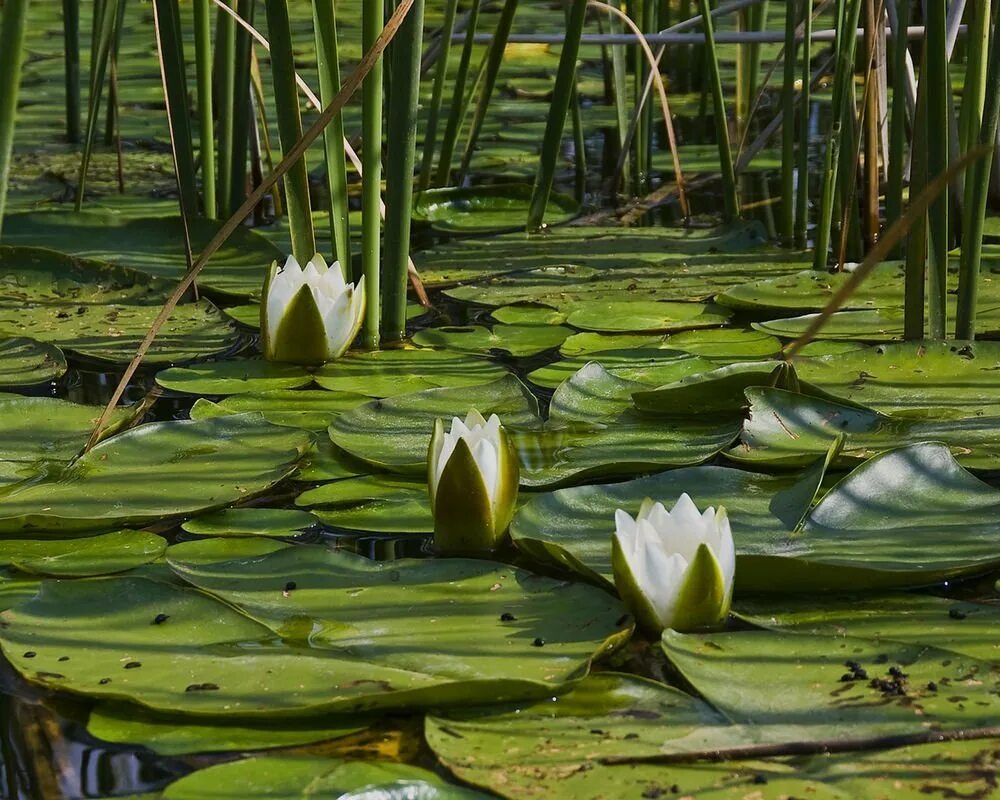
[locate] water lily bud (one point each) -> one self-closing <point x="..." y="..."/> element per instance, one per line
<point x="472" y="477"/>
<point x="309" y="316"/>
<point x="674" y="569"/>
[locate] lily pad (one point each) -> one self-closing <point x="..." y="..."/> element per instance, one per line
<point x="25" y="362"/>
<point x="528" y="315"/>
<point x="309" y="409"/>
<point x="518" y="340"/>
<point x="644" y="366"/>
<point x="157" y="470"/>
<point x="251" y="522"/>
<point x="95" y="555"/>
<point x="372" y="503"/>
<point x="233" y="377"/>
<point x="327" y="462"/>
<point x="311" y="777"/>
<point x="793" y="681"/>
<point x="307" y="630"/>
<point x="487" y="209"/>
<point x="385" y="373"/>
<point x="151" y="245"/>
<point x="586" y="246"/>
<point x="113" y="332"/>
<point x="790" y="429"/>
<point x="38" y="276"/>
<point x="926" y="379"/>
<point x="963" y="628"/>
<point x="394" y="434"/>
<point x="644" y="316"/>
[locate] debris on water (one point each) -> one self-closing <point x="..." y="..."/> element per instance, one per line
<point x="30" y="654"/>
<point x="857" y="672"/>
<point x="932" y="687"/>
<point x="759" y="778"/>
<point x="159" y="619"/>
<point x="506" y="616"/>
<point x="202" y="687"/>
<point x="133" y="665"/>
<point x="954" y="613"/>
<point x="104" y="681"/>
<point x="539" y="642"/>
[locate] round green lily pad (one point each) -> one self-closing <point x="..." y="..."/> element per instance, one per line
<point x="644" y="316"/>
<point x="95" y="555"/>
<point x="25" y="362"/>
<point x="309" y="409"/>
<point x="233" y="377"/>
<point x="487" y="209"/>
<point x="304" y="630"/>
<point x="250" y="522"/>
<point x="372" y="503"/>
<point x="518" y="340"/>
<point x="385" y="373"/>
<point x="528" y="315"/>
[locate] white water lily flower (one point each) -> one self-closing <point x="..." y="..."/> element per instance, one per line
<point x="674" y="569"/>
<point x="309" y="316"/>
<point x="472" y="477"/>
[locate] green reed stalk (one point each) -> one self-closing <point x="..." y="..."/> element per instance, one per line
<point x="13" y="21"/>
<point x="328" y="64"/>
<point x="400" y="156"/>
<point x="562" y="95"/>
<point x="730" y="196"/>
<point x="111" y="110"/>
<point x="802" y="198"/>
<point x="645" y="17"/>
<point x="843" y="99"/>
<point x="788" y="130"/>
<point x="915" y="275"/>
<point x="437" y="95"/>
<point x="372" y="20"/>
<point x="206" y="130"/>
<point x="619" y="72"/>
<point x="977" y="190"/>
<point x="974" y="89"/>
<point x="71" y="60"/>
<point x="934" y="69"/>
<point x="754" y="19"/>
<point x="225" y="76"/>
<point x="237" y="190"/>
<point x="494" y="58"/>
<point x="897" y="119"/>
<point x="170" y="44"/>
<point x="460" y="100"/>
<point x="579" y="148"/>
<point x="103" y="27"/>
<point x="286" y="103"/>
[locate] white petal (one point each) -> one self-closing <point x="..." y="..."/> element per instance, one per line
<point x="485" y="455"/>
<point x="725" y="553"/>
<point x="474" y="419"/>
<point x="337" y="322"/>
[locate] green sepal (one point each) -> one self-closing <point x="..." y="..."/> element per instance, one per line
<point x="703" y="601"/>
<point x="432" y="449"/>
<point x="632" y="596"/>
<point x="505" y="502"/>
<point x="464" y="523"/>
<point x="268" y="279"/>
<point x="301" y="334"/>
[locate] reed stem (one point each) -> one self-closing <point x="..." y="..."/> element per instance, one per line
<point x="372" y="20"/>
<point x="788" y="130"/>
<point x="13" y="22"/>
<point x="460" y="100"/>
<point x="400" y="158"/>
<point x="437" y="95"/>
<point x="71" y="60"/>
<point x="934" y="69"/>
<point x="206" y="127"/>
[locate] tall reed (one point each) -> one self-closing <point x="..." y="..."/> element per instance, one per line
<point x="788" y="130"/>
<point x="400" y="156"/>
<point x="372" y="20"/>
<point x="934" y="70"/>
<point x="12" y="26"/>
<point x="206" y="122"/>
<point x="437" y="94"/>
<point x="460" y="99"/>
<point x="71" y="61"/>
<point x="286" y="101"/>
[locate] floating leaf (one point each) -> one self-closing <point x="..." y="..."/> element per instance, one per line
<point x="519" y="340"/>
<point x="789" y="429"/>
<point x="233" y="377"/>
<point x="385" y="373"/>
<point x="309" y="409"/>
<point x="644" y="316"/>
<point x="157" y="470"/>
<point x="251" y="521"/>
<point x="113" y="332"/>
<point x="487" y="209"/>
<point x="95" y="555"/>
<point x="373" y="503"/>
<point x="528" y="315"/>
<point x="180" y="735"/>
<point x="25" y="362"/>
